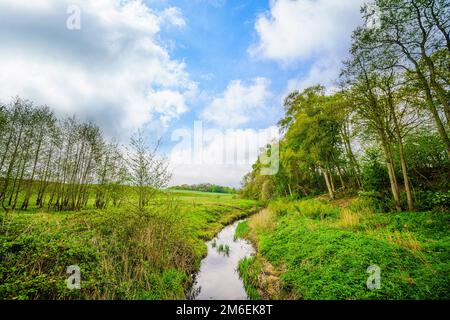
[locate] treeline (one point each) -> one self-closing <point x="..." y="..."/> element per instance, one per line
<point x="205" y="187"/>
<point x="62" y="163"/>
<point x="385" y="130"/>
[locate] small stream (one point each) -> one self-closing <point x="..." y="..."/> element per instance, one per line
<point x="218" y="278"/>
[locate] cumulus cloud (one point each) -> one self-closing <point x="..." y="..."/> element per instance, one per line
<point x="303" y="28"/>
<point x="239" y="104"/>
<point x="173" y="16"/>
<point x="113" y="70"/>
<point x="324" y="71"/>
<point x="317" y="32"/>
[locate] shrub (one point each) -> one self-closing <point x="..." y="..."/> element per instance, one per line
<point x="316" y="209"/>
<point x="429" y="200"/>
<point x="280" y="208"/>
<point x="374" y="173"/>
<point x="267" y="190"/>
<point x="376" y="200"/>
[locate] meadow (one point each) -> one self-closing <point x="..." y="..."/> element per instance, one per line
<point x="317" y="249"/>
<point x="123" y="252"/>
<point x="356" y="180"/>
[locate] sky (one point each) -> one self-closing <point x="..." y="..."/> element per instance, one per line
<point x="207" y="77"/>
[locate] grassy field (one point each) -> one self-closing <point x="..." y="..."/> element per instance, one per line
<point x="312" y="249"/>
<point x="123" y="253"/>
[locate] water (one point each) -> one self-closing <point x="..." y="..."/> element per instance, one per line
<point x="218" y="278"/>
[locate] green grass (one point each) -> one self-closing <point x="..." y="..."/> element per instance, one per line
<point x="242" y="230"/>
<point x="323" y="252"/>
<point x="225" y="249"/>
<point x="123" y="253"/>
<point x="249" y="269"/>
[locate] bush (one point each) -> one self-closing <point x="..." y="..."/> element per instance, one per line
<point x="316" y="209"/>
<point x="267" y="190"/>
<point x="280" y="208"/>
<point x="429" y="200"/>
<point x="374" y="173"/>
<point x="376" y="200"/>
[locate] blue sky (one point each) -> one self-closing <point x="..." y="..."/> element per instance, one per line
<point x="214" y="45"/>
<point x="166" y="65"/>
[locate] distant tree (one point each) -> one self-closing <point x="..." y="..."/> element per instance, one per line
<point x="205" y="187"/>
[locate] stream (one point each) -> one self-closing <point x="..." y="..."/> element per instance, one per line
<point x="218" y="278"/>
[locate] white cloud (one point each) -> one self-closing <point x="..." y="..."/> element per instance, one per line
<point x="217" y="156"/>
<point x="173" y="16"/>
<point x="169" y="103"/>
<point x="300" y="29"/>
<point x="113" y="70"/>
<point x="324" y="71"/>
<point x="316" y="32"/>
<point x="239" y="104"/>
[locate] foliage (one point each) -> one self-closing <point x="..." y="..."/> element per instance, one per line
<point x="267" y="190"/>
<point x="385" y="132"/>
<point x="205" y="187"/>
<point x="429" y="200"/>
<point x="374" y="174"/>
<point x="123" y="253"/>
<point x="249" y="273"/>
<point x="326" y="259"/>
<point x="242" y="230"/>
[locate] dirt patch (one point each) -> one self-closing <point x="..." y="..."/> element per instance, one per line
<point x="343" y="202"/>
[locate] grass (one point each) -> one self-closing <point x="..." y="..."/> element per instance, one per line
<point x="249" y="269"/>
<point x="348" y="219"/>
<point x="320" y="251"/>
<point x="242" y="230"/>
<point x="123" y="253"/>
<point x="225" y="249"/>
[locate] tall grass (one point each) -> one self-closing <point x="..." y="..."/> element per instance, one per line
<point x="123" y="253"/>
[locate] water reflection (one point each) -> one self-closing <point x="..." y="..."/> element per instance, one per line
<point x="218" y="278"/>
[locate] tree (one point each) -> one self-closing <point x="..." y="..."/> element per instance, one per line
<point x="361" y="75"/>
<point x="147" y="171"/>
<point x="314" y="134"/>
<point x="415" y="31"/>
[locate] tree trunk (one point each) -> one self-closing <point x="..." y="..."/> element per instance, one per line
<point x="30" y="183"/>
<point x="351" y="156"/>
<point x="341" y="179"/>
<point x="327" y="182"/>
<point x="402" y="156"/>
<point x="391" y="171"/>
<point x="332" y="182"/>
